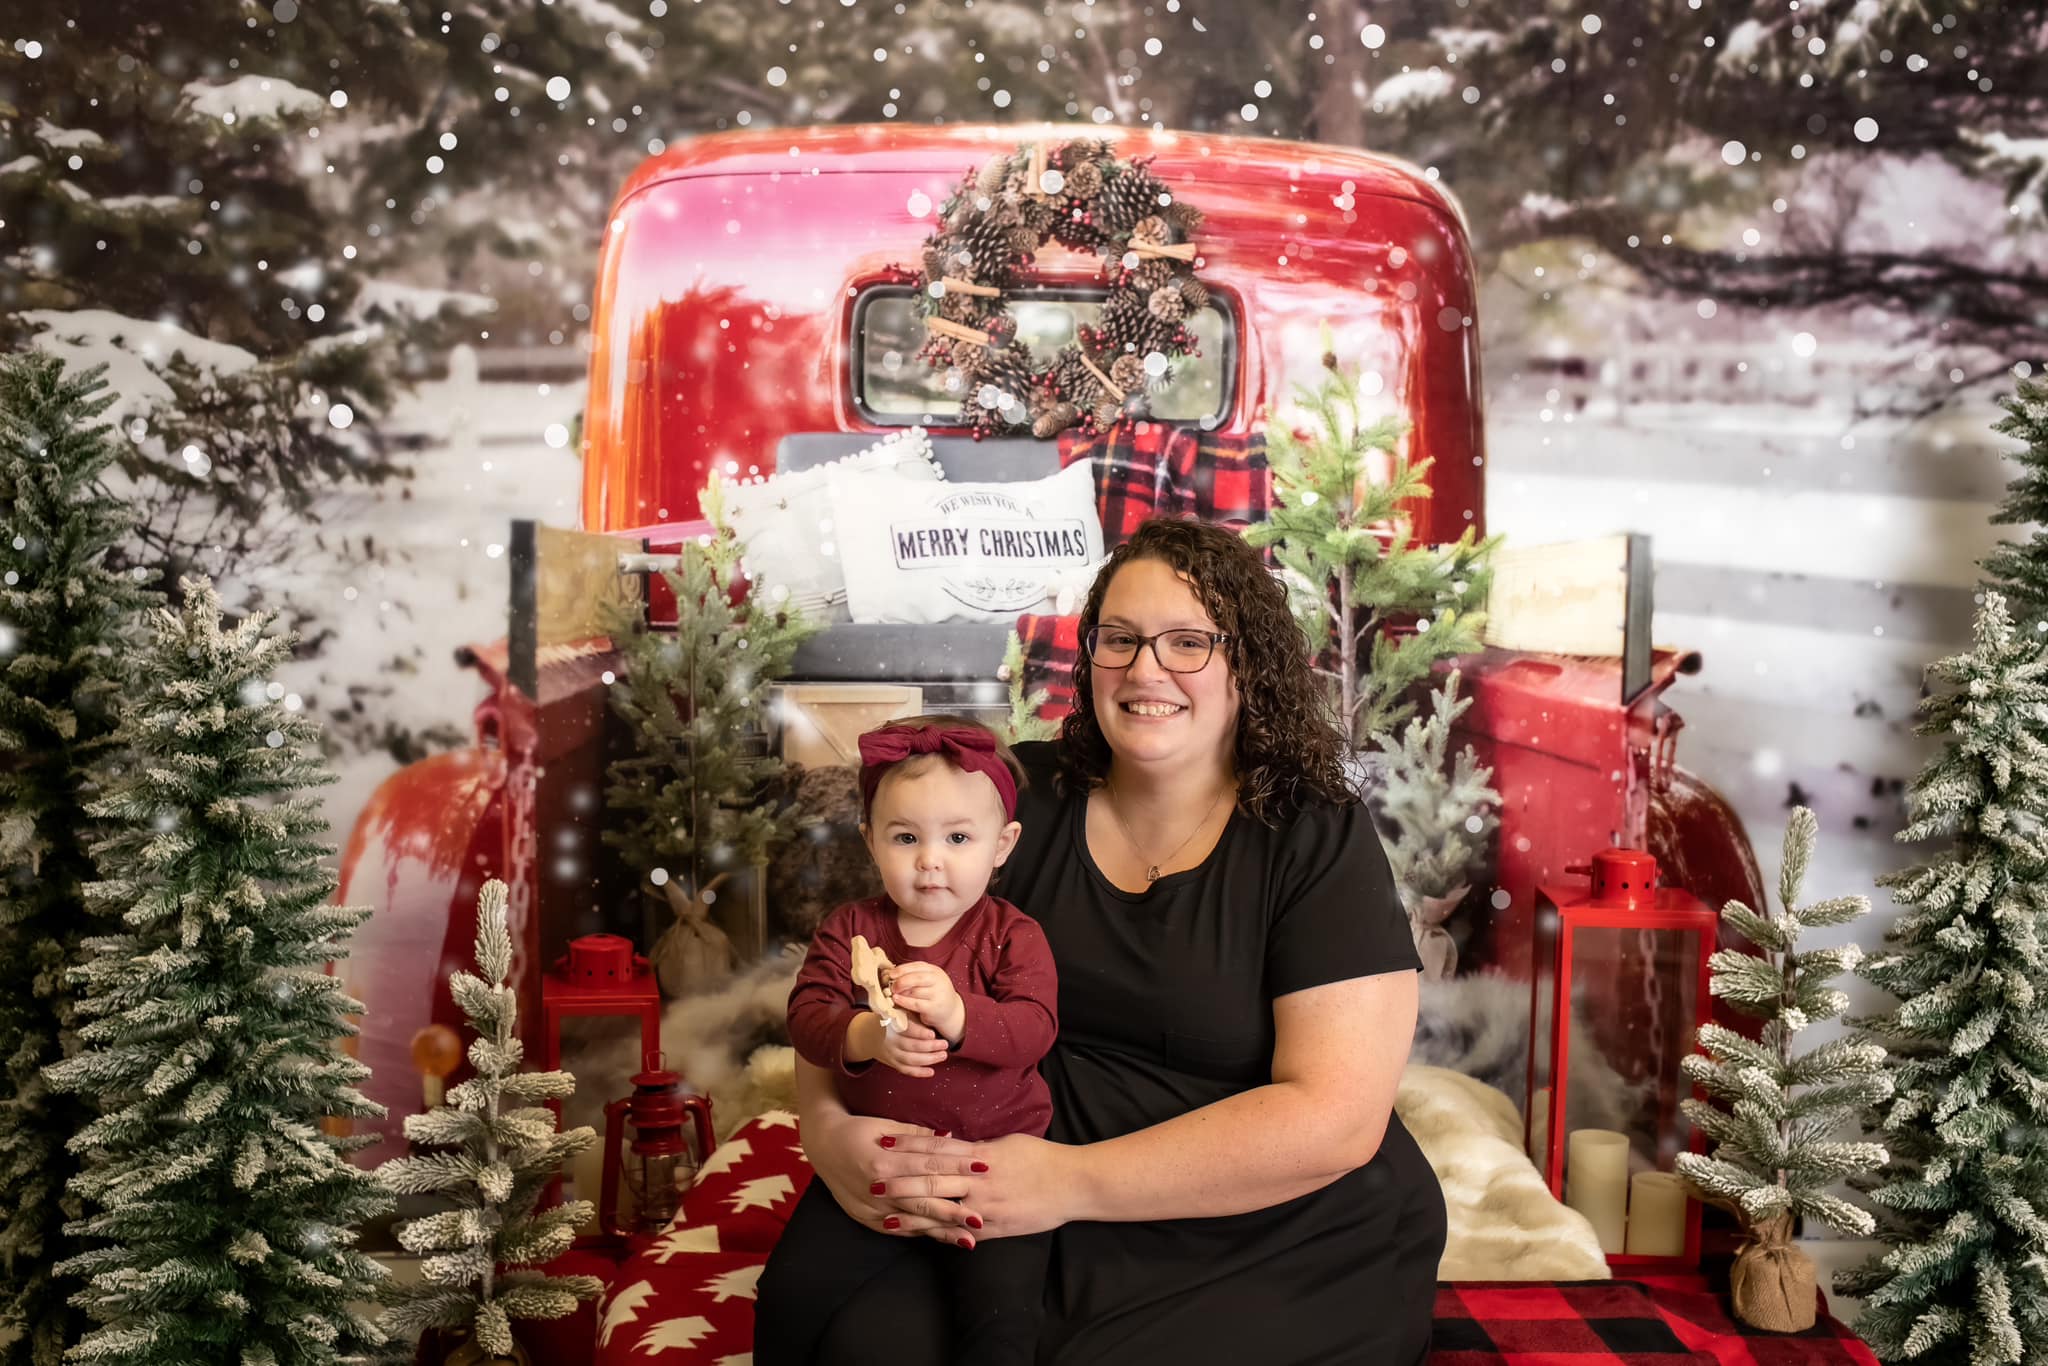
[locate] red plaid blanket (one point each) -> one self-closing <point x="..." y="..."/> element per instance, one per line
<point x="687" y="1297"/>
<point x="1665" y="1320"/>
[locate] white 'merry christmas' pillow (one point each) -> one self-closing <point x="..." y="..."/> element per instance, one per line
<point x="785" y="522"/>
<point x="917" y="552"/>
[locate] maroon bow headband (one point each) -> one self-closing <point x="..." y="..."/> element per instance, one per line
<point x="968" y="748"/>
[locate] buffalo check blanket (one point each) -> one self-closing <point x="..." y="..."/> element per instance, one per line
<point x="687" y="1298"/>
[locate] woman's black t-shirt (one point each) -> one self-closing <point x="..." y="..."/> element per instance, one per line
<point x="1166" y="1003"/>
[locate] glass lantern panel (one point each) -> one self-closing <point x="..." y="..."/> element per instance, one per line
<point x="1634" y="1007"/>
<point x="1543" y="998"/>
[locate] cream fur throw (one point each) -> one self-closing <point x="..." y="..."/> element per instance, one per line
<point x="1505" y="1226"/>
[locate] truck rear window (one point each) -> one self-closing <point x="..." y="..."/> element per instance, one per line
<point x="892" y="387"/>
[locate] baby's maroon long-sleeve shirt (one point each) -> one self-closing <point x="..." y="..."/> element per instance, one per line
<point x="1002" y="967"/>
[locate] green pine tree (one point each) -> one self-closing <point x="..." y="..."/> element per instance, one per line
<point x="1345" y="580"/>
<point x="1963" y="1204"/>
<point x="2019" y="570"/>
<point x="64" y="619"/>
<point x="1772" y="1115"/>
<point x="493" y="1166"/>
<point x="222" y="1221"/>
<point x="690" y="799"/>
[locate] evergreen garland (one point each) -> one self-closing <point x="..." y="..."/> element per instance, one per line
<point x="65" y="621"/>
<point x="1345" y="582"/>
<point x="1773" y="1116"/>
<point x="1963" y="1204"/>
<point x="2020" y="571"/>
<point x="494" y="1166"/>
<point x="689" y="801"/>
<point x="221" y="1218"/>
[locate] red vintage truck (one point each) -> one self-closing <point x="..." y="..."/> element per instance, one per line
<point x="754" y="308"/>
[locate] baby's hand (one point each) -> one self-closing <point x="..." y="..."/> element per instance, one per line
<point x="926" y="989"/>
<point x="914" y="1051"/>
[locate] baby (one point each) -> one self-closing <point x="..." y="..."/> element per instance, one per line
<point x="939" y="801"/>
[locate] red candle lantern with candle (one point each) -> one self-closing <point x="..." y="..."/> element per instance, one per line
<point x="1620" y="990"/>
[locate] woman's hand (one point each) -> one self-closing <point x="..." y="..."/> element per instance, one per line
<point x="926" y="989"/>
<point x="921" y="1176"/>
<point x="1029" y="1187"/>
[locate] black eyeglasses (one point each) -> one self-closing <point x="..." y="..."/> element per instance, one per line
<point x="1183" y="651"/>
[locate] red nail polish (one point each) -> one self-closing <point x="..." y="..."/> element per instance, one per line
<point x="892" y="1222"/>
<point x="879" y="1188"/>
<point x="889" y="1142"/>
<point x="977" y="1166"/>
<point x="974" y="1221"/>
<point x="967" y="1243"/>
<point x="943" y="1133"/>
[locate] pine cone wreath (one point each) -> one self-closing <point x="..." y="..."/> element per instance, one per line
<point x="1038" y="215"/>
<point x="1107" y="412"/>
<point x="1023" y="241"/>
<point x="1194" y="293"/>
<point x="968" y="355"/>
<point x="934" y="262"/>
<point x="1125" y="324"/>
<point x="1166" y="305"/>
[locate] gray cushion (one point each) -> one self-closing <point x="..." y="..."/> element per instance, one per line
<point x="865" y="652"/>
<point x="965" y="460"/>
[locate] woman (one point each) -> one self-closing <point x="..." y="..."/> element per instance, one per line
<point x="1238" y="987"/>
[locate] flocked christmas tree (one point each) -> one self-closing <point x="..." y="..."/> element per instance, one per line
<point x="1346" y="581"/>
<point x="1963" y="1204"/>
<point x="220" y="1219"/>
<point x="2020" y="570"/>
<point x="65" y="618"/>
<point x="690" y="800"/>
<point x="1774" y="1116"/>
<point x="498" y="1151"/>
<point x="1442" y="812"/>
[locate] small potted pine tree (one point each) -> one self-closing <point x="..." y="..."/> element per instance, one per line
<point x="1774" y="1115"/>
<point x="495" y="1149"/>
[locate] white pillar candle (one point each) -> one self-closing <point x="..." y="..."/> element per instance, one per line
<point x="1596" y="1182"/>
<point x="586" y="1173"/>
<point x="1656" y="1214"/>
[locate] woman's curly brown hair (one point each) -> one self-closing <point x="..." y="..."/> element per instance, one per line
<point x="1289" y="748"/>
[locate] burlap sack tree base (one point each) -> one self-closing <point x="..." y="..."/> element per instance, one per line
<point x="1772" y="1283"/>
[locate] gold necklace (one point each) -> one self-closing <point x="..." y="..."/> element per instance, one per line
<point x="1152" y="869"/>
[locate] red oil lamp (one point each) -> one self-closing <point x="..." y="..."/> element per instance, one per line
<point x="1619" y="992"/>
<point x="660" y="1165"/>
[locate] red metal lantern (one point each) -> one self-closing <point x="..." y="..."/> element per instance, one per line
<point x="1618" y="996"/>
<point x="662" y="1165"/>
<point x="600" y="975"/>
